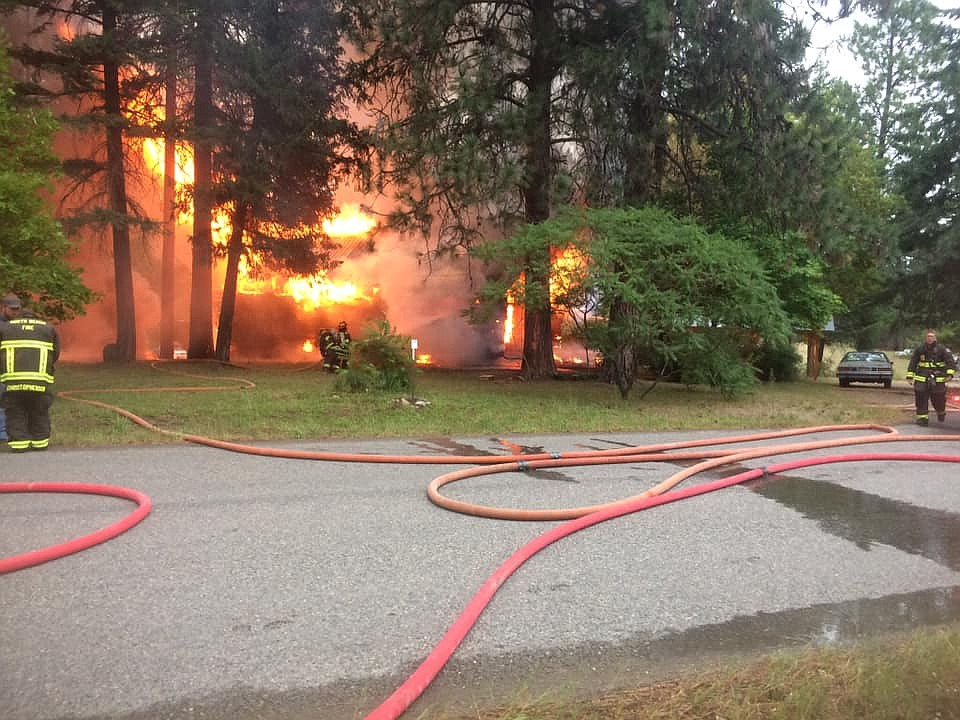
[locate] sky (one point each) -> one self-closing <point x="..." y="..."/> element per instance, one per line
<point x="827" y="37"/>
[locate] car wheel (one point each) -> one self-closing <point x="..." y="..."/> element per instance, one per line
<point x="844" y="383"/>
<point x="888" y="384"/>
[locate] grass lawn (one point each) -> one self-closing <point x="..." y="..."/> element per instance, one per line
<point x="282" y="402"/>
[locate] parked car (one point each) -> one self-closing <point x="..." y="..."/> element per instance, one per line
<point x="861" y="366"/>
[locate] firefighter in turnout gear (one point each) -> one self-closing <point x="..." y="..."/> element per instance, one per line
<point x="931" y="367"/>
<point x="29" y="349"/>
<point x="335" y="347"/>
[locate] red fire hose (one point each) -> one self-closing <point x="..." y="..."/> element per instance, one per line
<point x="35" y="557"/>
<point x="576" y="518"/>
<point x="420" y="679"/>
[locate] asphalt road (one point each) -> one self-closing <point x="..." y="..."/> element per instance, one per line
<point x="273" y="588"/>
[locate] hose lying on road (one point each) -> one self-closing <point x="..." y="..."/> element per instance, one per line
<point x="643" y="454"/>
<point x="420" y="679"/>
<point x="35" y="557"/>
<point x="705" y="451"/>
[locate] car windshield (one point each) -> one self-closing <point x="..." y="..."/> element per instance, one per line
<point x="865" y="357"/>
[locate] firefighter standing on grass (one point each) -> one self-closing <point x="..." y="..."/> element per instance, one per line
<point x="29" y="348"/>
<point x="931" y="367"/>
<point x="335" y="347"/>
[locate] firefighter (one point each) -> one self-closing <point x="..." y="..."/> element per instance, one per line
<point x="29" y="349"/>
<point x="3" y="417"/>
<point x="326" y="341"/>
<point x="931" y="367"/>
<point x="342" y="347"/>
<point x="335" y="347"/>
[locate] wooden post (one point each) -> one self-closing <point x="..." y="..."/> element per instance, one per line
<point x="814" y="353"/>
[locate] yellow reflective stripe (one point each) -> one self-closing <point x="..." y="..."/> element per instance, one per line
<point x="43" y="347"/>
<point x="19" y="444"/>
<point x="40" y="443"/>
<point x="36" y="344"/>
<point x="25" y="376"/>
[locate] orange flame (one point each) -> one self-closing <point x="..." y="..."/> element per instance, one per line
<point x="351" y="221"/>
<point x="566" y="272"/>
<point x="153" y="150"/>
<point x="508" y="321"/>
<point x="318" y="291"/>
<point x="65" y="31"/>
<point x="566" y="268"/>
<point x="310" y="292"/>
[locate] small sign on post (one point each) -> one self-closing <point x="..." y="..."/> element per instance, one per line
<point x="413" y="348"/>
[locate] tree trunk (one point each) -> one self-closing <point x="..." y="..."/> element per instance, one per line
<point x="228" y="305"/>
<point x="126" y="345"/>
<point x="645" y="168"/>
<point x="647" y="130"/>
<point x="169" y="209"/>
<point x="537" y="334"/>
<point x="621" y="367"/>
<point x="201" y="285"/>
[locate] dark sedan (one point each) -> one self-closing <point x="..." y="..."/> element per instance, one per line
<point x="865" y="367"/>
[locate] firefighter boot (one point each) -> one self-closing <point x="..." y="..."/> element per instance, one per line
<point x="941" y="417"/>
<point x="923" y="420"/>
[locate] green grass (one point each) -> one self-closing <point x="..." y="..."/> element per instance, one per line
<point x="905" y="677"/>
<point x="290" y="402"/>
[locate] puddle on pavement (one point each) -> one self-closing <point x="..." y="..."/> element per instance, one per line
<point x="506" y="447"/>
<point x="446" y="444"/>
<point x="511" y="452"/>
<point x="868" y="520"/>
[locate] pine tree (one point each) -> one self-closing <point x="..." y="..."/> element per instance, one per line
<point x="86" y="65"/>
<point x="282" y="141"/>
<point x="34" y="251"/>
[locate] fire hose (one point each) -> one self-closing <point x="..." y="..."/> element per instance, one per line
<point x="36" y="557"/>
<point x="575" y="518"/>
<point x="418" y="681"/>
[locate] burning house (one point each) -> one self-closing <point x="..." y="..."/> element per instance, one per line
<point x="374" y="275"/>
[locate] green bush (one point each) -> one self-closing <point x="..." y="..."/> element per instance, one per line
<point x="357" y="378"/>
<point x="715" y="359"/>
<point x="777" y="362"/>
<point x="381" y="360"/>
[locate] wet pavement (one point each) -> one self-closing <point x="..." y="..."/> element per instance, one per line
<point x="270" y="588"/>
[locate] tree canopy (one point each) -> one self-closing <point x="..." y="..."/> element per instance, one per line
<point x="495" y="113"/>
<point x="490" y="117"/>
<point x="34" y="250"/>
<point x="697" y="302"/>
